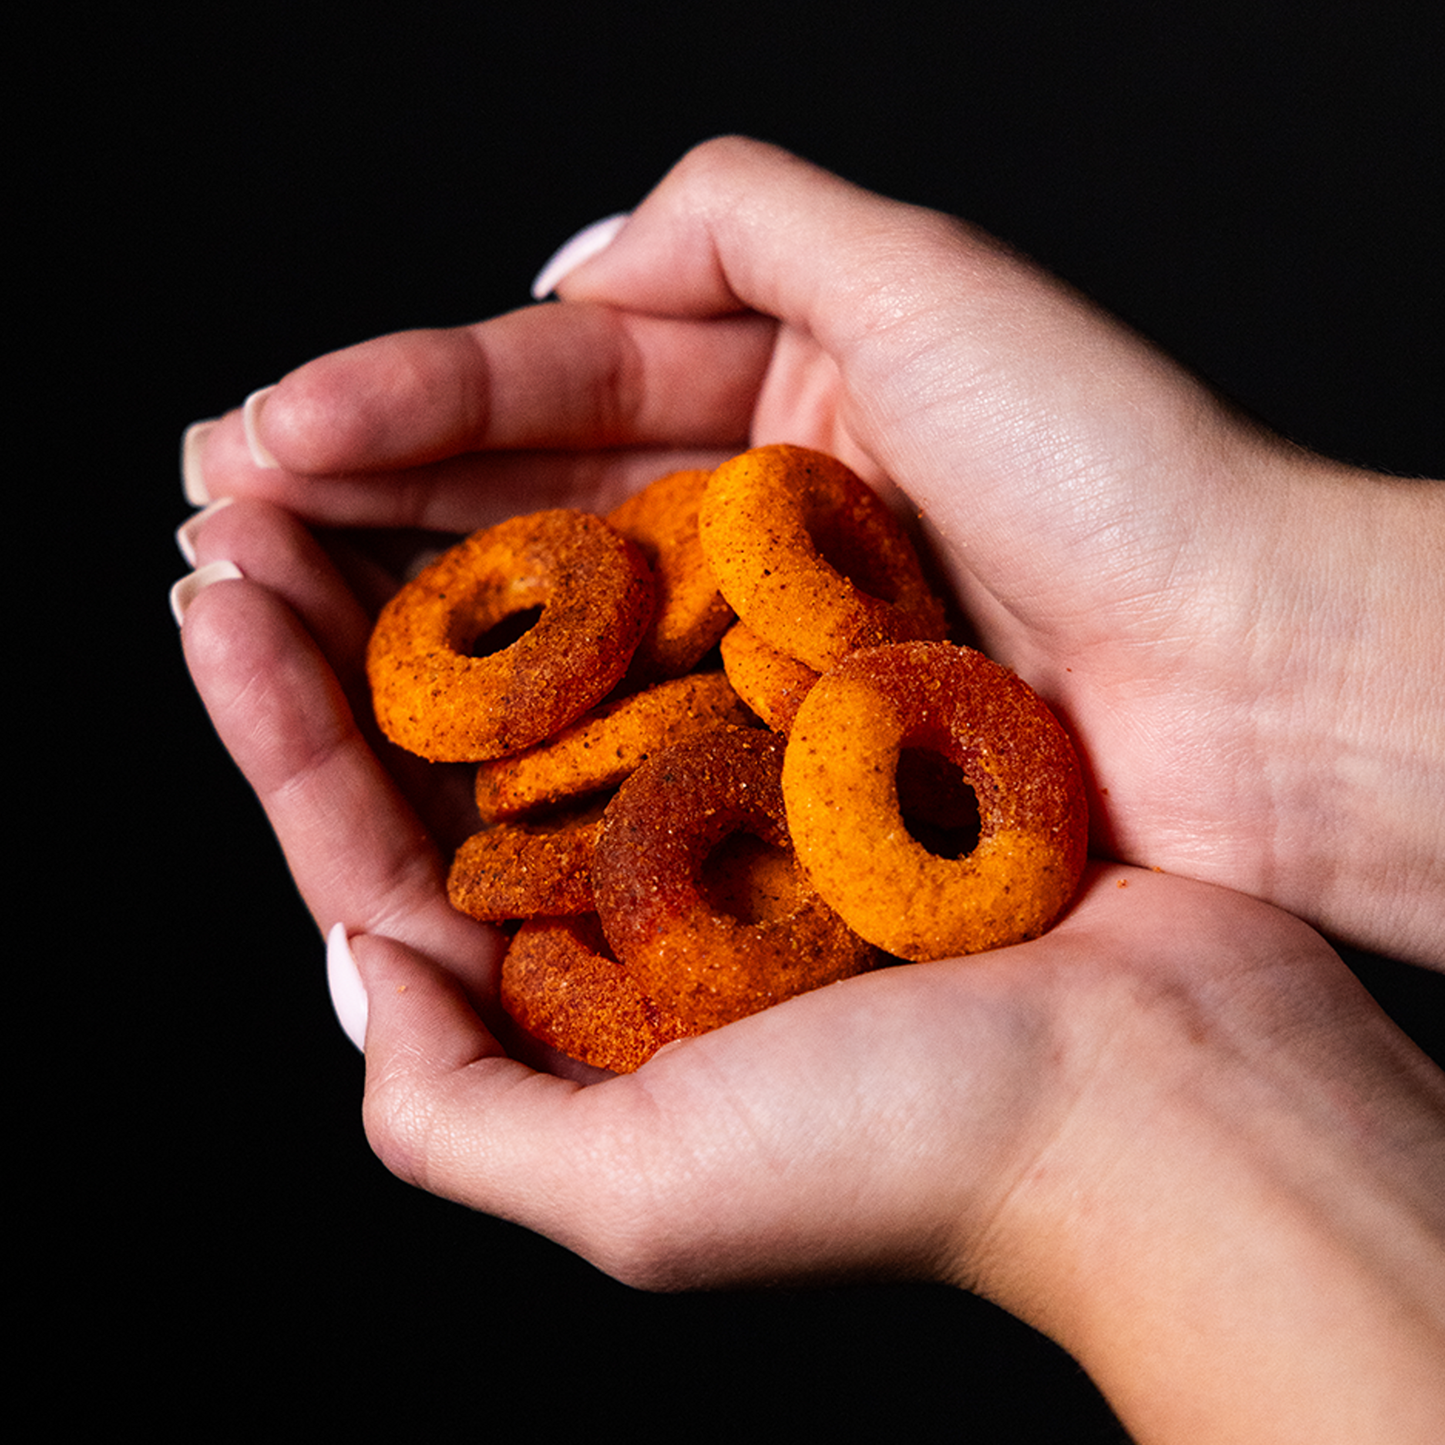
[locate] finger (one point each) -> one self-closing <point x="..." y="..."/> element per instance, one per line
<point x="545" y="377"/>
<point x="433" y="1069"/>
<point x="738" y="225"/>
<point x="447" y="1110"/>
<point x="642" y="1179"/>
<point x="333" y="589"/>
<point x="357" y="850"/>
<point x="456" y="494"/>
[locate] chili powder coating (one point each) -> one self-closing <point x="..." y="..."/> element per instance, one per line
<point x="604" y="745"/>
<point x="526" y="869"/>
<point x="690" y="614"/>
<point x="702" y="963"/>
<point x="560" y="984"/>
<point x="770" y="682"/>
<point x="840" y="784"/>
<point x="811" y="559"/>
<point x="434" y="698"/>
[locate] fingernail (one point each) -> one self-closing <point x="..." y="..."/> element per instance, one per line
<point x="250" y="416"/>
<point x="348" y="993"/>
<point x="192" y="478"/>
<point x="582" y="247"/>
<point x="194" y="583"/>
<point x="186" y="532"/>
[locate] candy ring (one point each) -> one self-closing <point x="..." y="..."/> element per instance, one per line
<point x="690" y="614"/>
<point x="603" y="746"/>
<point x="770" y="682"/>
<point x="811" y="559"/>
<point x="436" y="699"/>
<point x="522" y="870"/>
<point x="696" y="959"/>
<point x="839" y="783"/>
<point x="562" y="986"/>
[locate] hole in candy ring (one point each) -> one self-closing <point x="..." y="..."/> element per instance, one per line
<point x="938" y="807"/>
<point x="749" y="879"/>
<point x="504" y="633"/>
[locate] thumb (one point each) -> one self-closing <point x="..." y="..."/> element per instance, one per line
<point x="446" y="1108"/>
<point x="741" y="225"/>
<point x="420" y="1029"/>
<point x="1003" y="403"/>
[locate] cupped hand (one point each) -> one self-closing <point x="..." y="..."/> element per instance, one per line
<point x="1237" y="632"/>
<point x="1174" y="1116"/>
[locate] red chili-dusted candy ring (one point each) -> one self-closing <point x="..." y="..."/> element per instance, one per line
<point x="523" y="870"/>
<point x="595" y="593"/>
<point x="561" y="984"/>
<point x="810" y="557"/>
<point x="839" y="783"/>
<point x="704" y="964"/>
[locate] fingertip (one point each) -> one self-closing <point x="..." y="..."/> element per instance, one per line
<point x="414" y="1005"/>
<point x="251" y="421"/>
<point x="430" y="1060"/>
<point x="187" y="532"/>
<point x="590" y="241"/>
<point x="185" y="592"/>
<point x="193" y="478"/>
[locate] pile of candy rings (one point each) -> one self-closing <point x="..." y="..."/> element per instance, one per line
<point x="676" y="842"/>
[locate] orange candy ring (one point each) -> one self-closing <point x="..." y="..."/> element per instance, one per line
<point x="839" y="783"/>
<point x="690" y="614"/>
<point x="434" y="698"/>
<point x="770" y="682"/>
<point x="701" y="962"/>
<point x="562" y="986"/>
<point x="602" y="747"/>
<point x="810" y="557"/>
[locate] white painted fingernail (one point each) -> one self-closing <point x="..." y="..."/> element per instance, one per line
<point x="192" y="478"/>
<point x="194" y="583"/>
<point x="348" y="993"/>
<point x="582" y="247"/>
<point x="186" y="532"/>
<point x="250" y="416"/>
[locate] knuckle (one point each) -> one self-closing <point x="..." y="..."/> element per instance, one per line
<point x="715" y="170"/>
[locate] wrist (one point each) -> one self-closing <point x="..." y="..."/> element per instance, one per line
<point x="1351" y="723"/>
<point x="1240" y="1232"/>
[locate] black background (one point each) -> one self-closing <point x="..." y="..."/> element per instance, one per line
<point x="208" y="196"/>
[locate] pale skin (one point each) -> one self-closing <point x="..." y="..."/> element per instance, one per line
<point x="1174" y="1133"/>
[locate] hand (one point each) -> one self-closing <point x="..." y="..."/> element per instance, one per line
<point x="1174" y="1118"/>
<point x="1239" y="634"/>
